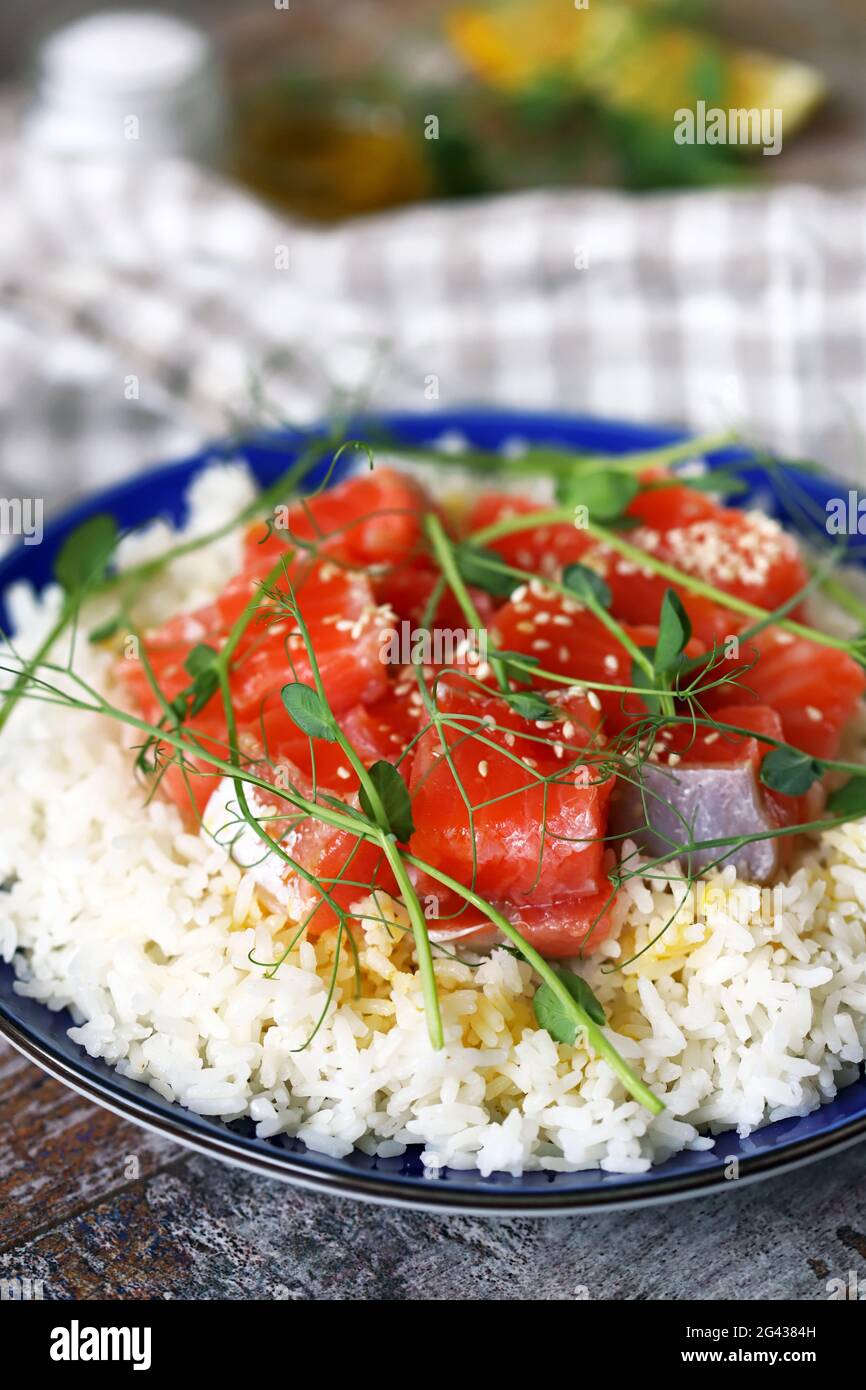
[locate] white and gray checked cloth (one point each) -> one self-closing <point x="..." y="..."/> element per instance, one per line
<point x="146" y="310"/>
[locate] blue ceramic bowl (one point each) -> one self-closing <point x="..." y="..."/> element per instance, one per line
<point x="798" y="496"/>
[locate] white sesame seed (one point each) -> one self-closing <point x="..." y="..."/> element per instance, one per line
<point x="344" y="773"/>
<point x="815" y="714"/>
<point x="483" y="768"/>
<point x="593" y="699"/>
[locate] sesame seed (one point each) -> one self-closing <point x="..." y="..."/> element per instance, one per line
<point x="483" y="768"/>
<point x="568" y="729"/>
<point x="593" y="699"/>
<point x="344" y="773"/>
<point x="815" y="714"/>
<point x="539" y="645"/>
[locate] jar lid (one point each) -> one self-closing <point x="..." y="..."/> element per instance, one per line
<point x="124" y="51"/>
<point x="128" y="81"/>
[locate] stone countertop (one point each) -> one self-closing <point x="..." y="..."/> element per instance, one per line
<point x="97" y="1208"/>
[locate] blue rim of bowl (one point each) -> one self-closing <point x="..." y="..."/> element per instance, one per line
<point x="449" y="1190"/>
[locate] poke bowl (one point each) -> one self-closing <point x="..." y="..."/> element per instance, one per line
<point x="462" y="811"/>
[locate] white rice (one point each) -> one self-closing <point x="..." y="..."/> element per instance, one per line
<point x="748" y="1009"/>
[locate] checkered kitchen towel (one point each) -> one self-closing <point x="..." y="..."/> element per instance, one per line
<point x="137" y="308"/>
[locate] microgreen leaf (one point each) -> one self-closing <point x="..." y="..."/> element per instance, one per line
<point x="605" y="492"/>
<point x="588" y="586"/>
<point x="513" y="663"/>
<point x="470" y="561"/>
<point x="551" y="1012"/>
<point x="525" y="657"/>
<point x="200" y="658"/>
<point x="714" y="480"/>
<point x="394" y="795"/>
<point x="530" y="705"/>
<point x="675" y="630"/>
<point x="789" y="771"/>
<point x="84" y="555"/>
<point x="106" y="629"/>
<point x="850" y="800"/>
<point x="201" y="665"/>
<point x="639" y="678"/>
<point x="309" y="712"/>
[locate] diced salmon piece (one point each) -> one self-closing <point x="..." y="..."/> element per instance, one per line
<point x="490" y="821"/>
<point x="746" y="554"/>
<point x="543" y="549"/>
<point x="814" y="689"/>
<point x="564" y="637"/>
<point x="567" y="927"/>
<point x="406" y="588"/>
<point x="373" y="518"/>
<point x="346" y="866"/>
